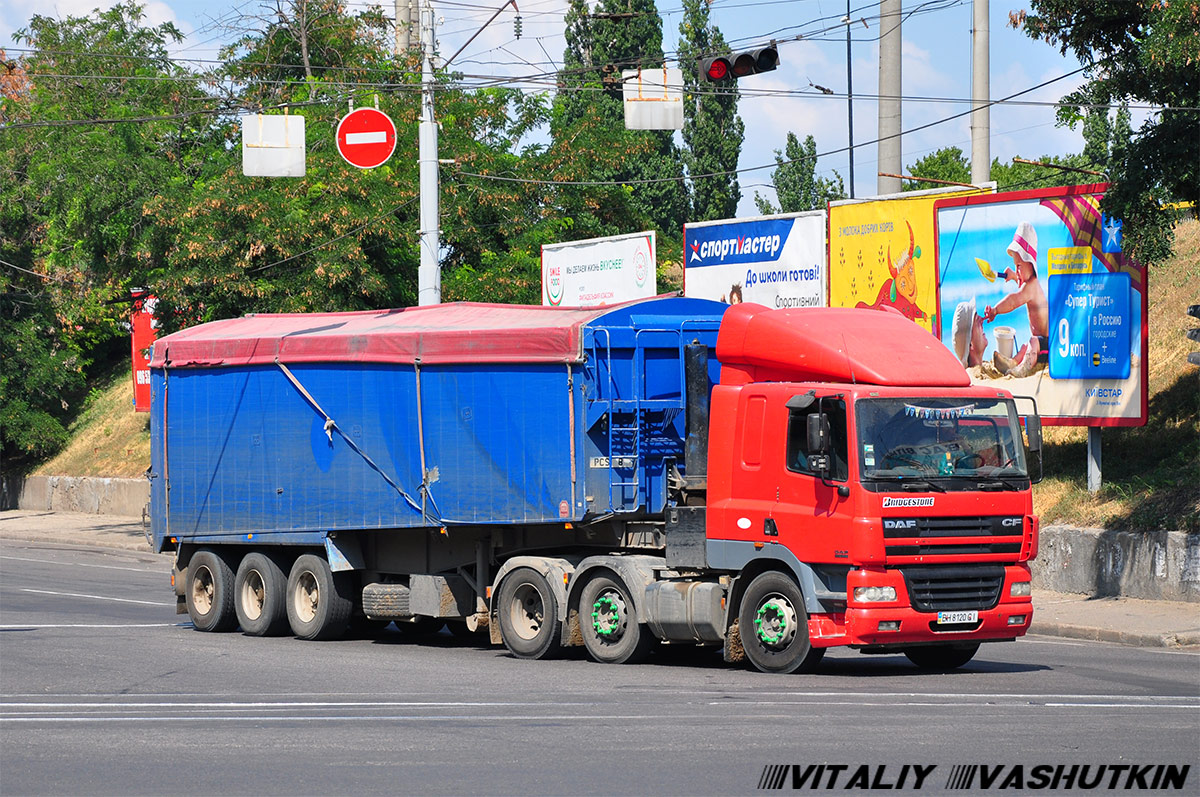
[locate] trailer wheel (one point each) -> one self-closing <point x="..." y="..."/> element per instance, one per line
<point x="209" y="592"/>
<point x="612" y="631"/>
<point x="941" y="657"/>
<point x="774" y="626"/>
<point x="318" y="600"/>
<point x="260" y="596"/>
<point x="528" y="615"/>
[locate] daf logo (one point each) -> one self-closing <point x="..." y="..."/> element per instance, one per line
<point x="900" y="524"/>
<point x="1009" y="522"/>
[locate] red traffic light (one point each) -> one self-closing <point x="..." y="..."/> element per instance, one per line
<point x="716" y="68"/>
<point x="748" y="62"/>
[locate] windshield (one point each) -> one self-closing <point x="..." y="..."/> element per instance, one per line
<point x="939" y="437"/>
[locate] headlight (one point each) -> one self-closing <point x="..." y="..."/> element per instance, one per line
<point x="1019" y="589"/>
<point x="874" y="594"/>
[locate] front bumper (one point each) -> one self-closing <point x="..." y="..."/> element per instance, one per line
<point x="859" y="624"/>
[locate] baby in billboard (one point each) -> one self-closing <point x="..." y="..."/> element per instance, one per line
<point x="1035" y="354"/>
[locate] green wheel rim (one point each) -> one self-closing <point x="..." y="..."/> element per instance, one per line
<point x="606" y="616"/>
<point x="778" y="615"/>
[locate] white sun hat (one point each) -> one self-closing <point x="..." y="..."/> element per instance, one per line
<point x="960" y="329"/>
<point x="1024" y="243"/>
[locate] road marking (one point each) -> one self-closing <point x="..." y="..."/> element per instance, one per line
<point x="37" y="626"/>
<point x="79" y="564"/>
<point x="94" y="597"/>
<point x="383" y="718"/>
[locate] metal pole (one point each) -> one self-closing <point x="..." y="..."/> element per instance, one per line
<point x="1093" y="459"/>
<point x="981" y="124"/>
<point x="889" y="95"/>
<point x="849" y="99"/>
<point x="429" y="275"/>
<point x="403" y="26"/>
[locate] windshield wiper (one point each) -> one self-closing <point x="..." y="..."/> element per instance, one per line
<point x="997" y="485"/>
<point x="920" y="484"/>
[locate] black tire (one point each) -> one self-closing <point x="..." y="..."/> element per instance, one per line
<point x="319" y="602"/>
<point x="941" y="658"/>
<point x="612" y="631"/>
<point x="528" y="615"/>
<point x="774" y="626"/>
<point x="209" y="591"/>
<point x="260" y="596"/>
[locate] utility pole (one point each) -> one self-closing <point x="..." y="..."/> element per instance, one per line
<point x="981" y="123"/>
<point x="403" y="17"/>
<point x="889" y="96"/>
<point x="849" y="100"/>
<point x="429" y="275"/>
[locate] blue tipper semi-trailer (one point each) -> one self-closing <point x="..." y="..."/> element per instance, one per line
<point x="540" y="474"/>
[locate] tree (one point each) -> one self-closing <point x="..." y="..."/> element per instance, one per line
<point x="712" y="130"/>
<point x="796" y="183"/>
<point x="1146" y="51"/>
<point x="71" y="220"/>
<point x="620" y="34"/>
<point x="947" y="163"/>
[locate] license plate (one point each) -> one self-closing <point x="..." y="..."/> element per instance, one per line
<point x="948" y="618"/>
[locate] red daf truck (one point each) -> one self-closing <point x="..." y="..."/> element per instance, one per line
<point x="669" y="471"/>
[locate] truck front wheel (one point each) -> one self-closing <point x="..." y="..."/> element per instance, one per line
<point x="528" y="615"/>
<point x="318" y="600"/>
<point x="941" y="657"/>
<point x="612" y="632"/>
<point x="773" y="626"/>
<point x="260" y="595"/>
<point x="209" y="592"/>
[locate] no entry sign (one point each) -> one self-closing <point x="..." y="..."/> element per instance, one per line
<point x="366" y="138"/>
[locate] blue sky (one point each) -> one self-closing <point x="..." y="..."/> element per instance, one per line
<point x="936" y="64"/>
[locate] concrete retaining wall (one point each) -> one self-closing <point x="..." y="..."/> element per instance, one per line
<point x="1153" y="565"/>
<point x="89" y="494"/>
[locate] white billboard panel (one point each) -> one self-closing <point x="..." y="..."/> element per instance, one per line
<point x="777" y="261"/>
<point x="599" y="271"/>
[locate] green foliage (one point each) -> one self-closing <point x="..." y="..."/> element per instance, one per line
<point x="599" y="46"/>
<point x="947" y="163"/>
<point x="796" y="183"/>
<point x="712" y="130"/>
<point x="1146" y="51"/>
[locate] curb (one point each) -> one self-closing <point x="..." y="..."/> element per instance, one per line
<point x="139" y="546"/>
<point x="1122" y="637"/>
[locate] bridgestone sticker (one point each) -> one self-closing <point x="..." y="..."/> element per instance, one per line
<point x="890" y="501"/>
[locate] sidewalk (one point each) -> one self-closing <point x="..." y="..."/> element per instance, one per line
<point x="1127" y="621"/>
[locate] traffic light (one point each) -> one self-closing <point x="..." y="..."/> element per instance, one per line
<point x="738" y="65"/>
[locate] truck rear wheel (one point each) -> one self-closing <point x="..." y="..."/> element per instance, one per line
<point x="528" y="615"/>
<point x="318" y="600"/>
<point x="260" y="596"/>
<point x="612" y="631"/>
<point x="774" y="626"/>
<point x="209" y="592"/>
<point x="941" y="657"/>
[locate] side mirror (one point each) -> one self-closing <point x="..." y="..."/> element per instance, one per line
<point x="818" y="433"/>
<point x="1033" y="430"/>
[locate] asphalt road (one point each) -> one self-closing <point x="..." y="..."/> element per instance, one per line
<point x="104" y="690"/>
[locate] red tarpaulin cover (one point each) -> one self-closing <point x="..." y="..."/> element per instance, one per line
<point x="446" y="333"/>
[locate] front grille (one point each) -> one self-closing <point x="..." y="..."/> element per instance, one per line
<point x="952" y="527"/>
<point x="953" y="536"/>
<point x="944" y="589"/>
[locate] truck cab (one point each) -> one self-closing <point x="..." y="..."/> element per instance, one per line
<point x="858" y="457"/>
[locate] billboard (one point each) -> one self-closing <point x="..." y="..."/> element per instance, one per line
<point x="1037" y="298"/>
<point x="881" y="253"/>
<point x="776" y="261"/>
<point x="599" y="271"/>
